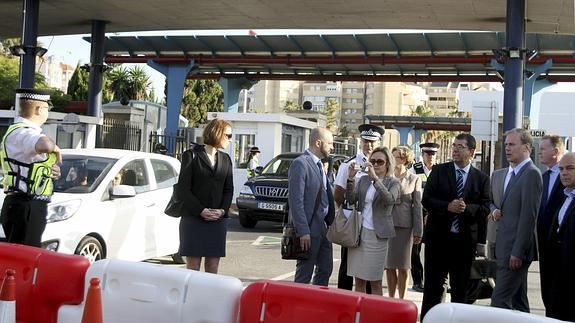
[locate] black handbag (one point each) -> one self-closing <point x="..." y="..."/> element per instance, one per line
<point x="175" y="205"/>
<point x="290" y="245"/>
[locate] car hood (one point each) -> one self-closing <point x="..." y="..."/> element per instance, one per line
<point x="268" y="180"/>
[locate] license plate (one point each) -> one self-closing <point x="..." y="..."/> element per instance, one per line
<point x="271" y="206"/>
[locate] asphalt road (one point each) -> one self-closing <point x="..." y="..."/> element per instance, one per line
<point x="254" y="254"/>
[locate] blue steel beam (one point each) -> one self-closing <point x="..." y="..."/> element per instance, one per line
<point x="97" y="53"/>
<point x="294" y="41"/>
<point x="394" y="44"/>
<point x="30" y="13"/>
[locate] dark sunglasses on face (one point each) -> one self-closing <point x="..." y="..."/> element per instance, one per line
<point x="377" y="161"/>
<point x="228" y="135"/>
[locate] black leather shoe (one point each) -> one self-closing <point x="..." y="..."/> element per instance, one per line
<point x="418" y="288"/>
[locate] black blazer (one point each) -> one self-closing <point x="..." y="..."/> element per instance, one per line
<point x="547" y="209"/>
<point x="561" y="261"/>
<point x="204" y="186"/>
<point x="440" y="189"/>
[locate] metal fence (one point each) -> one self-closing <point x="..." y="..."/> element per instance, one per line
<point x="119" y="134"/>
<point x="181" y="142"/>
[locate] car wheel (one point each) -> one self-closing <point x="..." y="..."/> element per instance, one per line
<point x="246" y="221"/>
<point x="90" y="248"/>
<point x="178" y="259"/>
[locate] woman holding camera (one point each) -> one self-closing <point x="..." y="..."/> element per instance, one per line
<point x="375" y="195"/>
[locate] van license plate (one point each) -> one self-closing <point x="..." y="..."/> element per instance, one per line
<point x="271" y="206"/>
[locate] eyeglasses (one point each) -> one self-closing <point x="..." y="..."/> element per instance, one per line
<point x="377" y="161"/>
<point x="459" y="146"/>
<point x="228" y="135"/>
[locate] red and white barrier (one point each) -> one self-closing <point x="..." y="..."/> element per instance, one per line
<point x="464" y="313"/>
<point x="8" y="298"/>
<point x="144" y="292"/>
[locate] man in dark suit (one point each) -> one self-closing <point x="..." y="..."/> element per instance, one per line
<point x="312" y="207"/>
<point x="560" y="248"/>
<point x="551" y="149"/>
<point x="516" y="196"/>
<point x="456" y="198"/>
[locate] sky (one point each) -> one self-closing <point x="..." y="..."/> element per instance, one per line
<point x="73" y="49"/>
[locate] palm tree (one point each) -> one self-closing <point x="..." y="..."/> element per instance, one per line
<point x="139" y="83"/>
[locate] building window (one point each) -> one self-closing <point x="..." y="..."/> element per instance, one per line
<point x="242" y="145"/>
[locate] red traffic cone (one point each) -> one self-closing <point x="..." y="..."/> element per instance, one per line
<point x="8" y="298"/>
<point x="93" y="306"/>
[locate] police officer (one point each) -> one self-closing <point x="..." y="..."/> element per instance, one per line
<point x="422" y="169"/>
<point x="29" y="162"/>
<point x="253" y="162"/>
<point x="370" y="139"/>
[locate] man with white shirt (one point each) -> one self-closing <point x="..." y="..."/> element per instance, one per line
<point x="370" y="138"/>
<point x="551" y="149"/>
<point x="515" y="199"/>
<point x="560" y="248"/>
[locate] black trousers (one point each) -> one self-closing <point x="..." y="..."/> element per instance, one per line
<point x="343" y="280"/>
<point x="416" y="265"/>
<point x="451" y="255"/>
<point x="24" y="219"/>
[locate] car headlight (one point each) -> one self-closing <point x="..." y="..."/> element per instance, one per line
<point x="63" y="210"/>
<point x="246" y="190"/>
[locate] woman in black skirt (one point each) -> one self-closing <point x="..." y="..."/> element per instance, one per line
<point x="207" y="188"/>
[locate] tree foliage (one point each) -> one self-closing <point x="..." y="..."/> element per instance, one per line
<point x="291" y="106"/>
<point x="9" y="72"/>
<point x="331" y="108"/>
<point x="201" y="97"/>
<point x="78" y="85"/>
<point x="128" y="83"/>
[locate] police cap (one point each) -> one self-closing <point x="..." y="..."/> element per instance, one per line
<point x="429" y="147"/>
<point x="34" y="94"/>
<point x="371" y="132"/>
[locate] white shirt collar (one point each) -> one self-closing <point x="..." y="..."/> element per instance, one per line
<point x="519" y="166"/>
<point x="465" y="169"/>
<point x="555" y="168"/>
<point x="313" y="156"/>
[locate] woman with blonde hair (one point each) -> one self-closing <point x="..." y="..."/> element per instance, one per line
<point x="407" y="220"/>
<point x="375" y="195"/>
<point x="207" y="185"/>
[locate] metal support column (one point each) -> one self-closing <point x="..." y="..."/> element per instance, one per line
<point x="97" y="52"/>
<point x="417" y="133"/>
<point x="30" y="13"/>
<point x="530" y="88"/>
<point x="513" y="84"/>
<point x="232" y="88"/>
<point x="403" y="133"/>
<point x="176" y="75"/>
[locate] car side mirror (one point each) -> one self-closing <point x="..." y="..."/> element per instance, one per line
<point x="259" y="170"/>
<point x="122" y="191"/>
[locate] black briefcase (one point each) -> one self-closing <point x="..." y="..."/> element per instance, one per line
<point x="291" y="249"/>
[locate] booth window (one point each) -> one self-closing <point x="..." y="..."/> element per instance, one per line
<point x="242" y="145"/>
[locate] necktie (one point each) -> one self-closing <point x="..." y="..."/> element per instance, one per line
<point x="320" y="166"/>
<point x="510" y="181"/>
<point x="459" y="185"/>
<point x="546" y="181"/>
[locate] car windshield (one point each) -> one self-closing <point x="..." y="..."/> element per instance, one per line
<point x="278" y="166"/>
<point x="82" y="174"/>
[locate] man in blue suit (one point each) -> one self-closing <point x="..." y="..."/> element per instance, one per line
<point x="312" y="208"/>
<point x="551" y="149"/>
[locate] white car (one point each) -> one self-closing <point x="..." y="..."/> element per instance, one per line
<point x="93" y="216"/>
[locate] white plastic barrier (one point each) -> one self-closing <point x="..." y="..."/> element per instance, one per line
<point x="464" y="313"/>
<point x="143" y="292"/>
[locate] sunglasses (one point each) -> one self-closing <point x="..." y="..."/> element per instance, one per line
<point x="377" y="161"/>
<point x="228" y="135"/>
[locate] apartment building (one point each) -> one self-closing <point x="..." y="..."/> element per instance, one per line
<point x="271" y="96"/>
<point x="57" y="74"/>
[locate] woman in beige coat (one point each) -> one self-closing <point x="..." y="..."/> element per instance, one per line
<point x="408" y="222"/>
<point x="375" y="195"/>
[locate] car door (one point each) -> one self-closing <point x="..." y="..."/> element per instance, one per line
<point x="128" y="238"/>
<point x="166" y="229"/>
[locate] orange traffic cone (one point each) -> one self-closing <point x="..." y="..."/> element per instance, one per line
<point x="93" y="306"/>
<point x="8" y="298"/>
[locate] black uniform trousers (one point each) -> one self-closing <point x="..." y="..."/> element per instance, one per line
<point x="24" y="219"/>
<point x="452" y="255"/>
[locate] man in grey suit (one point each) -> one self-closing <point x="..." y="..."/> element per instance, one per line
<point x="311" y="208"/>
<point x="515" y="195"/>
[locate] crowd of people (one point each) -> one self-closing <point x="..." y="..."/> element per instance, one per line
<point x="450" y="207"/>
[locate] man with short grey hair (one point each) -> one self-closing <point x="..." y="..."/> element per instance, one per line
<point x="515" y="199"/>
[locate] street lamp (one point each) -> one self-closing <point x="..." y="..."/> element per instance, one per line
<point x="20" y="50"/>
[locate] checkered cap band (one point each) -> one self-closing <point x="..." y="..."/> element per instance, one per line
<point x="34" y="96"/>
<point x="370" y="135"/>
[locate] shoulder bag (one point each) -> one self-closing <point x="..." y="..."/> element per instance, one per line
<point x="175" y="206"/>
<point x="346" y="231"/>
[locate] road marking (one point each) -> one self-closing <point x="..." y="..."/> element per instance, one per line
<point x="267" y="241"/>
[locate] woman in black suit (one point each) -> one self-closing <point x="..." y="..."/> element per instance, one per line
<point x="207" y="178"/>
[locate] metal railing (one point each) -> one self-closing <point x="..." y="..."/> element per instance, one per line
<point x="119" y="134"/>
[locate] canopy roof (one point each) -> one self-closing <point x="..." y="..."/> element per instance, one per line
<point x="384" y="57"/>
<point x="62" y="17"/>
